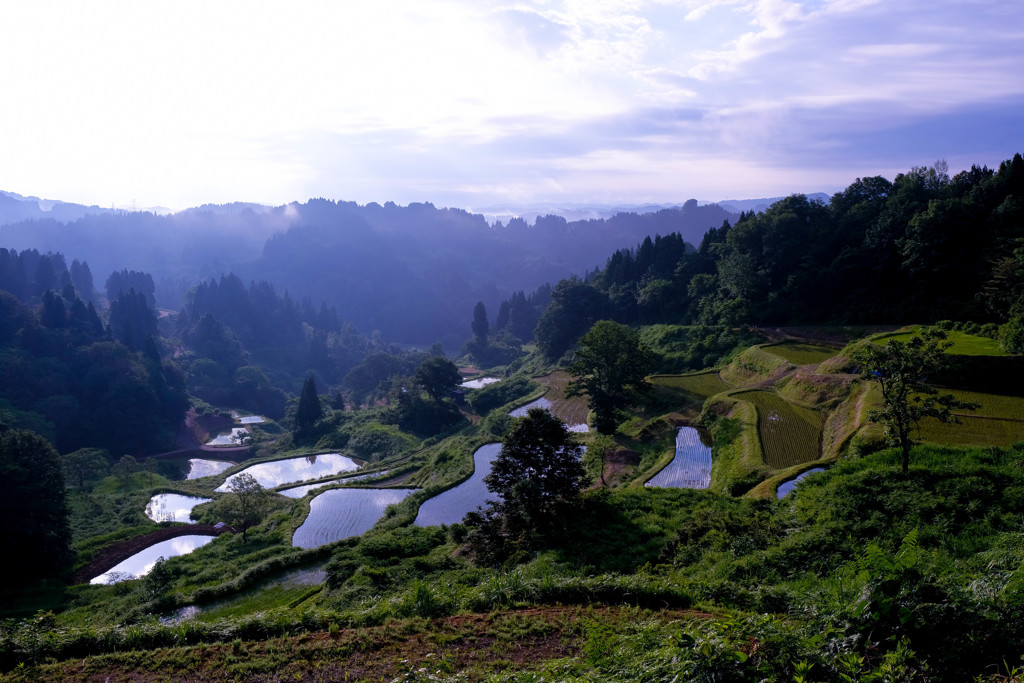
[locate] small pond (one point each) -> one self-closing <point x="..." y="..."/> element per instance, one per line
<point x="786" y="487"/>
<point x="235" y="437"/>
<point x="479" y="382"/>
<point x="343" y="513"/>
<point x="142" y="562"/>
<point x="300" y="491"/>
<point x="302" y="468"/>
<point x="173" y="507"/>
<point x="691" y="468"/>
<point x="452" y="505"/>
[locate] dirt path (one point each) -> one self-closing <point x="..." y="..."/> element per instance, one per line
<point x="109" y="557"/>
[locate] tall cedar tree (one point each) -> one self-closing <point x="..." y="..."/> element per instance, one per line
<point x="309" y="410"/>
<point x="480" y="325"/>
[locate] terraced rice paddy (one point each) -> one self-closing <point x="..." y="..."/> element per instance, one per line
<point x="479" y="383"/>
<point x="992" y="405"/>
<point x="998" y="422"/>
<point x="699" y="384"/>
<point x="343" y="513"/>
<point x="973" y="431"/>
<point x="691" y="468"/>
<point x="789" y="434"/>
<point x="300" y="491"/>
<point x="572" y="411"/>
<point x="799" y="353"/>
<point x="173" y="507"/>
<point x="452" y="505"/>
<point x="787" y="487"/>
<point x="233" y="438"/>
<point x="199" y="467"/>
<point x="963" y="344"/>
<point x="142" y="562"/>
<point x="302" y="468"/>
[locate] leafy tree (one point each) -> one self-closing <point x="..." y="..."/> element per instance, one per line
<point x="33" y="508"/>
<point x="309" y="410"/>
<point x="536" y="475"/>
<point x="246" y="503"/>
<point x="438" y="376"/>
<point x="85" y="464"/>
<point x="575" y="306"/>
<point x="901" y="370"/>
<point x="609" y="366"/>
<point x="480" y="325"/>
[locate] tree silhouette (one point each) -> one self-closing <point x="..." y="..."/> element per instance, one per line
<point x="309" y="409"/>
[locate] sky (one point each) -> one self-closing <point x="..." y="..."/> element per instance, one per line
<point x="483" y="104"/>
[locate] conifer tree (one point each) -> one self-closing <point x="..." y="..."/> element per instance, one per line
<point x="309" y="410"/>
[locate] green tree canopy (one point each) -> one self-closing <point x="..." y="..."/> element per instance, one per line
<point x="33" y="508"/>
<point x="438" y="376"/>
<point x="901" y="369"/>
<point x="246" y="504"/>
<point x="609" y="366"/>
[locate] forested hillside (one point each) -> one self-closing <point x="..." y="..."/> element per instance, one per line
<point x="923" y="247"/>
<point x="408" y="272"/>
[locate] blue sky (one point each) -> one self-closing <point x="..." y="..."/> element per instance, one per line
<point x="477" y="104"/>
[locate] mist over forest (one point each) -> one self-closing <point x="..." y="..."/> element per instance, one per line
<point x="409" y="272"/>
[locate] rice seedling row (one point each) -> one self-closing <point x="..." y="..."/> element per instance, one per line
<point x="800" y="353"/>
<point x="701" y="384"/>
<point x="789" y="434"/>
<point x="972" y="431"/>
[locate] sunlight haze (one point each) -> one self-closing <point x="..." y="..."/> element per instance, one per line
<point x="477" y="104"/>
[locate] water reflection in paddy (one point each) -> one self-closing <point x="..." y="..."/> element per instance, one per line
<point x="302" y="468"/>
<point x="690" y="468"/>
<point x="173" y="507"/>
<point x="142" y="562"/>
<point x="479" y="383"/>
<point x="199" y="467"/>
<point x="343" y="513"/>
<point x="452" y="505"/>
<point x="787" y="487"/>
<point x="300" y="491"/>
